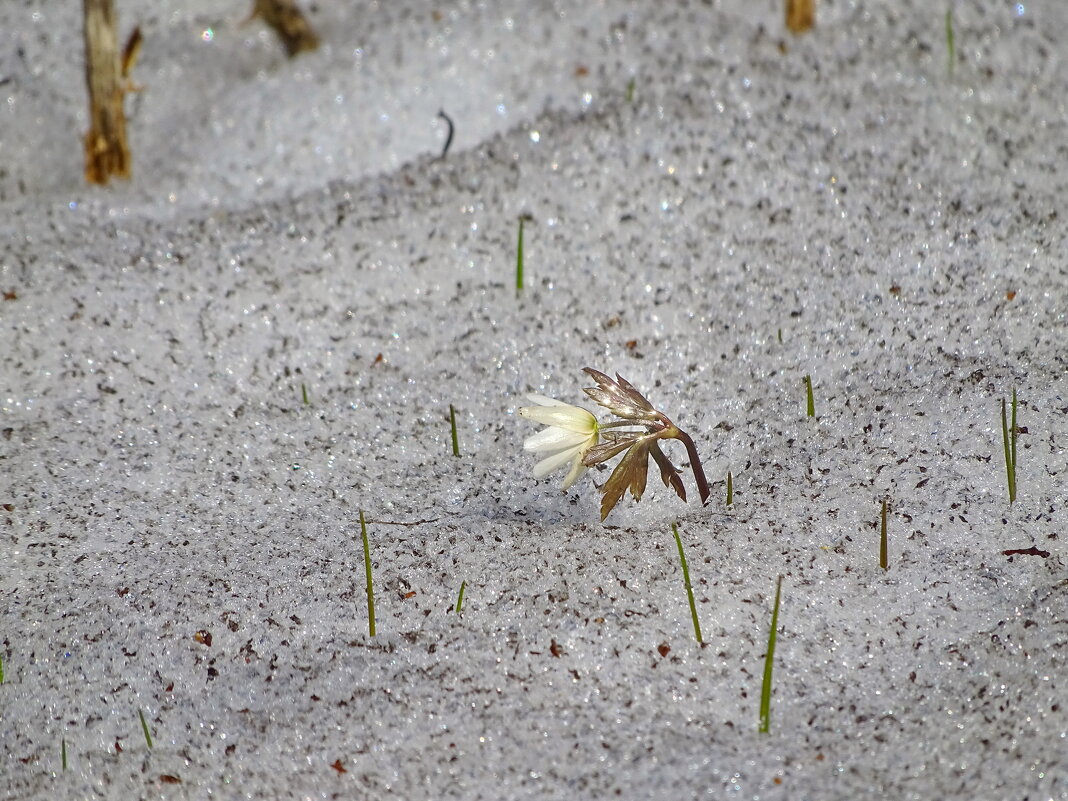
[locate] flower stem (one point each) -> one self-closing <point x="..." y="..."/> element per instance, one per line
<point x="695" y="464"/>
<point x="624" y="423"/>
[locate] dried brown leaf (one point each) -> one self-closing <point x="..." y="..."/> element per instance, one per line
<point x="631" y="472"/>
<point x="613" y="442"/>
<point x="620" y="397"/>
<point x="668" y="472"/>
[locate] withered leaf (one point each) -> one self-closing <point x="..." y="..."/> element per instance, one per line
<point x="620" y="397"/>
<point x="632" y="471"/>
<point x="668" y="472"/>
<point x="614" y="442"/>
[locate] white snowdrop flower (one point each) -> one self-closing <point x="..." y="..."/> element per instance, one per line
<point x="571" y="432"/>
<point x="575" y="438"/>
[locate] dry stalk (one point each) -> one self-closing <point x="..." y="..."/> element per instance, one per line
<point x="288" y="22"/>
<point x="106" y="151"/>
<point x="800" y="15"/>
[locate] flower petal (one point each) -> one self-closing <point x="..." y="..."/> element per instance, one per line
<point x="578" y="469"/>
<point x="554" y="462"/>
<point x="565" y="416"/>
<point x="545" y="400"/>
<point x="554" y="438"/>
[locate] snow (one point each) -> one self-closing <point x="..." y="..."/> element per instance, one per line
<point x="763" y="208"/>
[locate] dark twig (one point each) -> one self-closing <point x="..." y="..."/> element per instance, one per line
<point x="448" y="139"/>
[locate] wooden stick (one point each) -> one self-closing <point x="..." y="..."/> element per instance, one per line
<point x="285" y="17"/>
<point x="800" y="15"/>
<point x="106" y="151"/>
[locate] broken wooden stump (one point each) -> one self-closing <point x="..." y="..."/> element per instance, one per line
<point x="288" y="22"/>
<point x="107" y="153"/>
<point x="800" y="15"/>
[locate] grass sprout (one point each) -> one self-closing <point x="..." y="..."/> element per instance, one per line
<point x="452" y="424"/>
<point x="1015" y="430"/>
<point x="808" y="393"/>
<point x="730" y="489"/>
<point x="304" y="394"/>
<point x="1008" y="436"/>
<point x="144" y="728"/>
<point x="519" y="260"/>
<point x="769" y="659"/>
<point x="63" y="751"/>
<point x="1" y="668"/>
<point x="630" y="90"/>
<point x="689" y="586"/>
<point x="460" y="597"/>
<point x="951" y="50"/>
<point x="883" y="560"/>
<point x="367" y="569"/>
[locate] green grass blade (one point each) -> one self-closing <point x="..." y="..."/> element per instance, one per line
<point x="630" y="90"/>
<point x="689" y="586"/>
<point x="367" y="569"/>
<point x="1009" y="472"/>
<point x="63" y="745"/>
<point x="452" y="424"/>
<point x="730" y="489"/>
<point x="304" y="394"/>
<point x="769" y="658"/>
<point x="883" y="558"/>
<point x="460" y="597"/>
<point x="951" y="50"/>
<point x="1012" y="439"/>
<point x="1" y="668"/>
<point x="144" y="728"/>
<point x="811" y="401"/>
<point x="519" y="260"/>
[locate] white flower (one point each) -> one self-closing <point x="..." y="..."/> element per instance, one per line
<point x="571" y="432"/>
